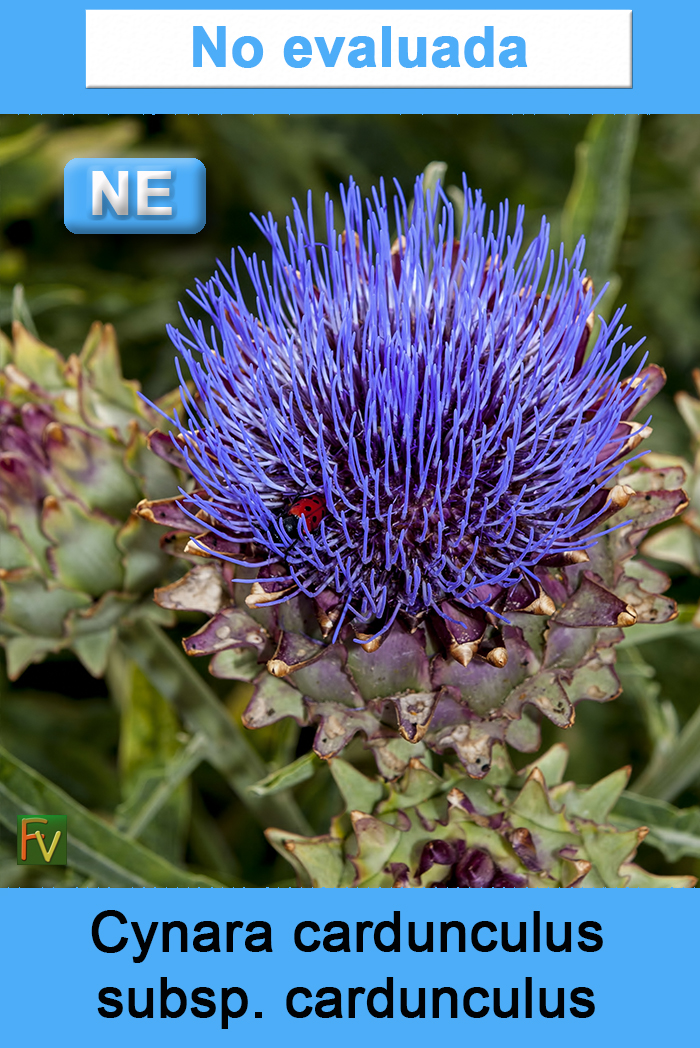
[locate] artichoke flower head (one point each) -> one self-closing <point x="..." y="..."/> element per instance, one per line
<point x="73" y="463"/>
<point x="411" y="516"/>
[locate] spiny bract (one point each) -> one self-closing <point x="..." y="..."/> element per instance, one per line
<point x="436" y="400"/>
<point x="512" y="830"/>
<point x="73" y="462"/>
<point x="680" y="543"/>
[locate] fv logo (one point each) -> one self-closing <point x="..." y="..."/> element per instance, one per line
<point x="41" y="840"/>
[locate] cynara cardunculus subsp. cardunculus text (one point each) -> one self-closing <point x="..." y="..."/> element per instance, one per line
<point x="408" y="503"/>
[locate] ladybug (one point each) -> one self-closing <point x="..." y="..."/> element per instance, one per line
<point x="310" y="507"/>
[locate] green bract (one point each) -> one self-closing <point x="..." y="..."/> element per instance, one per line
<point x="514" y="830"/>
<point x="73" y="463"/>
<point x="680" y="542"/>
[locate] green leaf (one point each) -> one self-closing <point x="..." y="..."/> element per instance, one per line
<point x="677" y="768"/>
<point x="677" y="544"/>
<point x="91" y="468"/>
<point x="661" y="721"/>
<point x="533" y="804"/>
<point x="163" y="787"/>
<point x="689" y="409"/>
<point x="22" y="651"/>
<point x="284" y="778"/>
<point x="100" y="358"/>
<point x="148" y="743"/>
<point x="70" y="741"/>
<point x="674" y="831"/>
<point x="93" y="631"/>
<point x="598" y="202"/>
<point x="433" y="174"/>
<point x="144" y="561"/>
<point x="94" y="848"/>
<point x="21" y="312"/>
<point x="201" y="712"/>
<point x="14" y="146"/>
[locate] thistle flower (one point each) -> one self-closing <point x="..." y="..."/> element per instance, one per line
<point x="73" y="461"/>
<point x="515" y="830"/>
<point x="411" y="437"/>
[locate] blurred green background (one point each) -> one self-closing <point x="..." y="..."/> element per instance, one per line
<point x="57" y="718"/>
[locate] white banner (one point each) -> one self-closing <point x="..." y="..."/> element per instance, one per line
<point x="359" y="49"/>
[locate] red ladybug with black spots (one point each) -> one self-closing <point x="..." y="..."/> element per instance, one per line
<point x="311" y="507"/>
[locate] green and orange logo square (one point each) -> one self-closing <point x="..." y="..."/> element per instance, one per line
<point x="41" y="840"/>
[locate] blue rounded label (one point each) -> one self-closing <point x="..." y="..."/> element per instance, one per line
<point x="134" y="195"/>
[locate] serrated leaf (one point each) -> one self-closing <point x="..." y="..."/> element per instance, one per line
<point x="13" y="551"/>
<point x="91" y="468"/>
<point x="100" y="358"/>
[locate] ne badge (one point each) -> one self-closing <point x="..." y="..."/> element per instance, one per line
<point x="134" y="195"/>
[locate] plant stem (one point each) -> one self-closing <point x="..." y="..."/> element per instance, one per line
<point x="202" y="713"/>
<point x="178" y="769"/>
<point x="679" y="767"/>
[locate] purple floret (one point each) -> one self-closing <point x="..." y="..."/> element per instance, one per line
<point x="431" y="383"/>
